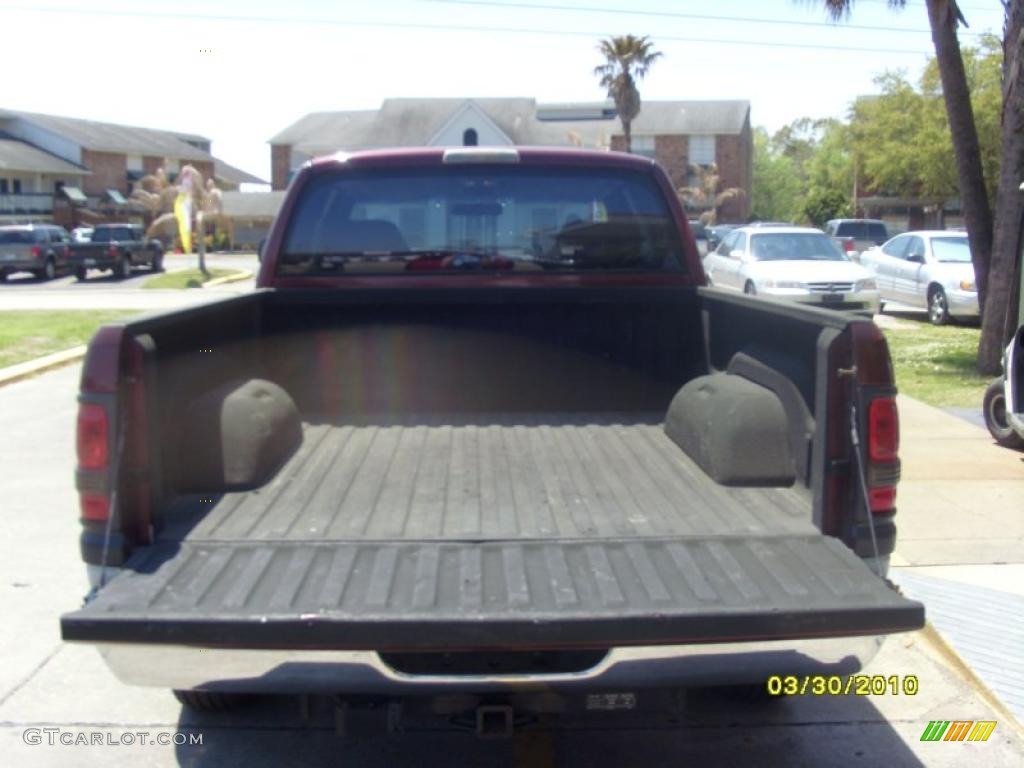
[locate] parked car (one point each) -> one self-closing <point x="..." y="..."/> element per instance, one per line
<point x="81" y="234"/>
<point x="433" y="460"/>
<point x="700" y="235"/>
<point x="795" y="263"/>
<point x="929" y="269"/>
<point x="855" y="236"/>
<point x="42" y="249"/>
<point x="1003" y="404"/>
<point x="116" y="248"/>
<point x="717" y="232"/>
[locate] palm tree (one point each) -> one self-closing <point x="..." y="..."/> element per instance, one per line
<point x="705" y="193"/>
<point x="944" y="17"/>
<point x="627" y="59"/>
<point x="1002" y="302"/>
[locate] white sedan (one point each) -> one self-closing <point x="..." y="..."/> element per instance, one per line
<point x="796" y="263"/>
<point x="931" y="270"/>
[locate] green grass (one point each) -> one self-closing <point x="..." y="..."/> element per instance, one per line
<point x="936" y="364"/>
<point x="25" y="335"/>
<point x="186" y="278"/>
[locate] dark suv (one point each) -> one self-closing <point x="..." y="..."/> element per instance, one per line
<point x="42" y="249"/>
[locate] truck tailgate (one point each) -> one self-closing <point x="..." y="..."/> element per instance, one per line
<point x="429" y="595"/>
<point x="548" y="532"/>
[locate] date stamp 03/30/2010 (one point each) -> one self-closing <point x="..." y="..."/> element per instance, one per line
<point x="842" y="685"/>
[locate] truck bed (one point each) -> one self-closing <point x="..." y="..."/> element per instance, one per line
<point x="494" y="477"/>
<point x="547" y="530"/>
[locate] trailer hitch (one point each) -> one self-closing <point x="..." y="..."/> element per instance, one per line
<point x="495" y="721"/>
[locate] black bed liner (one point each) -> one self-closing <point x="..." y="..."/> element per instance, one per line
<point x="491" y="476"/>
<point x="590" y="530"/>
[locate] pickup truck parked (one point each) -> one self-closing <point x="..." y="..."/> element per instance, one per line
<point x="855" y="236"/>
<point x="483" y="432"/>
<point x="116" y="248"/>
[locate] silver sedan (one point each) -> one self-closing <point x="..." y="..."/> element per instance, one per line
<point x="930" y="270"/>
<point x="795" y="263"/>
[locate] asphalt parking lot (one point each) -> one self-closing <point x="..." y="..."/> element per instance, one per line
<point x="104" y="291"/>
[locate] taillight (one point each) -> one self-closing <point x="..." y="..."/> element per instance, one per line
<point x="93" y="454"/>
<point x="882" y="499"/>
<point x="883" y="445"/>
<point x="93" y="449"/>
<point x="849" y="246"/>
<point x="67" y="252"/>
<point x="36" y="251"/>
<point x="883" y="429"/>
<point x="94" y="507"/>
<point x="112" y="250"/>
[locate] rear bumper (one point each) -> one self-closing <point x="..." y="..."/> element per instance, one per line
<point x="26" y="264"/>
<point x="94" y="262"/>
<point x="364" y="672"/>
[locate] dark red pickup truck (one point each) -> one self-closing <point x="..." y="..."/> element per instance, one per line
<point x="483" y="428"/>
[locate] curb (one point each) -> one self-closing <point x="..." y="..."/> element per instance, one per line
<point x="242" y="274"/>
<point x="30" y="368"/>
<point x="955" y="661"/>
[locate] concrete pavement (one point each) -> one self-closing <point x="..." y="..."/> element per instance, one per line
<point x="961" y="497"/>
<point x="960" y="541"/>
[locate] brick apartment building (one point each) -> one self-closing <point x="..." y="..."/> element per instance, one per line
<point x="678" y="134"/>
<point x="41" y="155"/>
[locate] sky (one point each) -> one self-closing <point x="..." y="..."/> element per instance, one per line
<point x="240" y="72"/>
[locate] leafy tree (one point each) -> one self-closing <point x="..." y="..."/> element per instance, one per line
<point x="901" y="142"/>
<point x="777" y="188"/>
<point x="901" y="136"/>
<point x="830" y="168"/>
<point x="824" y="204"/>
<point x="627" y="59"/>
<point x="806" y="160"/>
<point x="798" y="141"/>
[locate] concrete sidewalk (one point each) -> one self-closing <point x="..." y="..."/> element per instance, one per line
<point x="961" y="496"/>
<point x="960" y="542"/>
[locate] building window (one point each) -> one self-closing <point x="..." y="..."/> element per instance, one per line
<point x="702" y="150"/>
<point x="16" y="186"/>
<point x="3" y="187"/>
<point x="469" y="138"/>
<point x="642" y="145"/>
